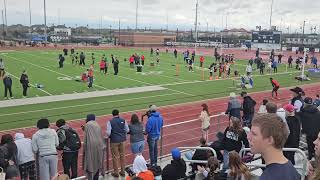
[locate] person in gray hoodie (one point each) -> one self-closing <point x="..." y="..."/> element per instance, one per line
<point x="44" y="143"/>
<point x="25" y="157"/>
<point x="234" y="107"/>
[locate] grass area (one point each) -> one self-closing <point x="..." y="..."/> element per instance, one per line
<point x="42" y="67"/>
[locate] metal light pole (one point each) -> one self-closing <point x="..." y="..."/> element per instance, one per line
<point x="3" y="29"/>
<point x="30" y="29"/>
<point x="137" y="6"/>
<point x="196" y="27"/>
<point x="271" y="14"/>
<point x="5" y="15"/>
<point x="119" y="34"/>
<point x="45" y="22"/>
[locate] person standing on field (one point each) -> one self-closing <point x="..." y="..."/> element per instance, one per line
<point x="24" y="80"/>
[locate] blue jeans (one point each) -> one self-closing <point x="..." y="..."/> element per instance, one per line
<point x="137" y="147"/>
<point x="90" y="81"/>
<point x="247" y="119"/>
<point x="153" y="149"/>
<point x="225" y="160"/>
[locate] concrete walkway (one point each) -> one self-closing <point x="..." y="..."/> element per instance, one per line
<point x="65" y="97"/>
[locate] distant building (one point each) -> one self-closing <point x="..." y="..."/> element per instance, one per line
<point x="235" y="32"/>
<point x="310" y="40"/>
<point x="61" y="35"/>
<point x="144" y="38"/>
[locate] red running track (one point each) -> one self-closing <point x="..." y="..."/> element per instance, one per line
<point x="181" y="125"/>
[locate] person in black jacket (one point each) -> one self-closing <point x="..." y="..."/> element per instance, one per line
<point x="294" y="136"/>
<point x="116" y="66"/>
<point x="24" y="80"/>
<point x="61" y="60"/>
<point x="176" y="169"/>
<point x="248" y="109"/>
<point x="7" y="81"/>
<point x="82" y="59"/>
<point x="234" y="136"/>
<point x="8" y="156"/>
<point x="200" y="154"/>
<point x="310" y="120"/>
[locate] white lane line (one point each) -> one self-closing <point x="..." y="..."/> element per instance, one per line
<point x="88" y="104"/>
<point x="31" y="85"/>
<point x="48" y="69"/>
<point x="181" y="92"/>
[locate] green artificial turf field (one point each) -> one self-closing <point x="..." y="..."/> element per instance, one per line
<point x="42" y="68"/>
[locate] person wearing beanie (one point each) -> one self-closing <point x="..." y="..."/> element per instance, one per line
<point x="69" y="143"/>
<point x="310" y="121"/>
<point x="93" y="148"/>
<point x="153" y="131"/>
<point x="176" y="169"/>
<point x="25" y="157"/>
<point x="294" y="129"/>
<point x="117" y="129"/>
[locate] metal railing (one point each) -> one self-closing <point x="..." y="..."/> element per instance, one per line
<point x="199" y="148"/>
<point x="302" y="168"/>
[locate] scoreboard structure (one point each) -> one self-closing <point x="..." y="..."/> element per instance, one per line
<point x="266" y="37"/>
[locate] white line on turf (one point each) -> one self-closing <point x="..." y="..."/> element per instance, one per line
<point x="88" y="104"/>
<point x="47" y="68"/>
<point x="31" y="84"/>
<point x="197" y="81"/>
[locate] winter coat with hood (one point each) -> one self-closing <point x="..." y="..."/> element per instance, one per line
<point x="234" y="108"/>
<point x="25" y="153"/>
<point x="154" y="125"/>
<point x="310" y="120"/>
<point x="248" y="105"/>
<point x="175" y="170"/>
<point x="45" y="141"/>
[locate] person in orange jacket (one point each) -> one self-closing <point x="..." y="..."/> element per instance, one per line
<point x="201" y="61"/>
<point x="90" y="77"/>
<point x="102" y="65"/>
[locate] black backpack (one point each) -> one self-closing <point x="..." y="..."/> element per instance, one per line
<point x="72" y="141"/>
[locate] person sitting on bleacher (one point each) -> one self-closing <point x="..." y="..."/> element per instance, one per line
<point x="139" y="169"/>
<point x="176" y="169"/>
<point x="267" y="137"/>
<point x="237" y="170"/>
<point x="199" y="154"/>
<point x="210" y="171"/>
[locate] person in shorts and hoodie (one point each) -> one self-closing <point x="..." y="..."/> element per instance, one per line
<point x="267" y="137"/>
<point x="205" y="121"/>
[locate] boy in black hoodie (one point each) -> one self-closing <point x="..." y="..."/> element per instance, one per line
<point x="248" y="109"/>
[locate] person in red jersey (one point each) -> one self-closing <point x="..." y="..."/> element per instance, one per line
<point x="275" y="84"/>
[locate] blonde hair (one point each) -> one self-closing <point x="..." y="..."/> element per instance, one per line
<point x="237" y="167"/>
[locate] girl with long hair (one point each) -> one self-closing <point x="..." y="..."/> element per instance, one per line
<point x="205" y="121"/>
<point x="237" y="169"/>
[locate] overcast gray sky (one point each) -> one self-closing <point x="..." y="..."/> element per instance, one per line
<point x="180" y="13"/>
